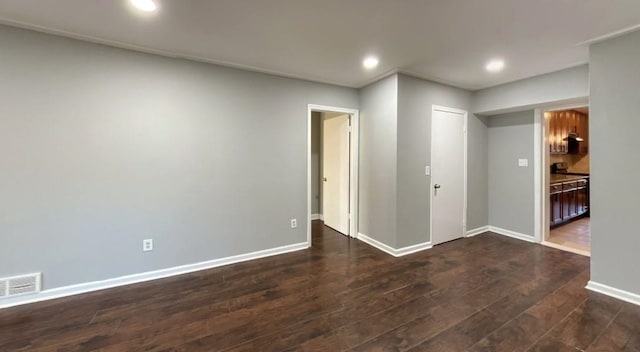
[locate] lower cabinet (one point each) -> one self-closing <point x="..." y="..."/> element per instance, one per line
<point x="556" y="208"/>
<point x="568" y="200"/>
<point x="582" y="197"/>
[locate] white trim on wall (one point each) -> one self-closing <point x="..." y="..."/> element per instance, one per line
<point x="539" y="179"/>
<point x="353" y="167"/>
<point x="512" y="234"/>
<point x="477" y="231"/>
<point x="614" y="292"/>
<point x="317" y="217"/>
<point x="399" y="252"/>
<point x="146" y="276"/>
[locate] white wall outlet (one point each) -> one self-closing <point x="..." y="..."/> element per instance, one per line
<point x="427" y="170"/>
<point x="147" y="245"/>
<point x="523" y="162"/>
<point x="294" y="223"/>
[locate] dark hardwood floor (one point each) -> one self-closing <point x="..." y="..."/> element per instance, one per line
<point x="485" y="293"/>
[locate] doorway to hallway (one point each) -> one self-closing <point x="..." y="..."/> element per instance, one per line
<point x="332" y="168"/>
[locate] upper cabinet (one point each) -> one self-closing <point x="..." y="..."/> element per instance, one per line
<point x="568" y="132"/>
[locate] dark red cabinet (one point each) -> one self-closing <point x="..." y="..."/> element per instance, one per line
<point x="568" y="200"/>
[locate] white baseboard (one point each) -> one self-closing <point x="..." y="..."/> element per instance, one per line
<point x="512" y="234"/>
<point x="399" y="252"/>
<point x="614" y="292"/>
<point x="146" y="276"/>
<point x="477" y="231"/>
<point x="317" y="217"/>
<point x="413" y="249"/>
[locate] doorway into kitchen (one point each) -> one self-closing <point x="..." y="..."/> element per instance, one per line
<point x="566" y="179"/>
<point x="332" y="161"/>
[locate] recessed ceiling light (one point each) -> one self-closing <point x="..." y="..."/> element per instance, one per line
<point x="495" y="65"/>
<point x="370" y="62"/>
<point x="144" y="5"/>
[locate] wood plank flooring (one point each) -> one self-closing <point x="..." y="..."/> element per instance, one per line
<point x="575" y="234"/>
<point x="485" y="293"/>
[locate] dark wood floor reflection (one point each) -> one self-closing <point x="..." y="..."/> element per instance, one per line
<point x="485" y="293"/>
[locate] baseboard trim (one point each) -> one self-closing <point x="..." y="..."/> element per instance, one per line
<point x="399" y="252"/>
<point x="413" y="249"/>
<point x="317" y="217"/>
<point x="146" y="276"/>
<point x="614" y="292"/>
<point x="512" y="234"/>
<point x="477" y="231"/>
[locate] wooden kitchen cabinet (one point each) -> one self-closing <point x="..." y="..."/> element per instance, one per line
<point x="556" y="208"/>
<point x="569" y="204"/>
<point x="568" y="200"/>
<point x="561" y="124"/>
<point x="582" y="196"/>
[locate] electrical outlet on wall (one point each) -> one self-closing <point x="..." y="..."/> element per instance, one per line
<point x="147" y="245"/>
<point x="523" y="162"/>
<point x="294" y="223"/>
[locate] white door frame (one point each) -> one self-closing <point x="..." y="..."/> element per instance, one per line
<point x="354" y="161"/>
<point x="465" y="114"/>
<point x="541" y="170"/>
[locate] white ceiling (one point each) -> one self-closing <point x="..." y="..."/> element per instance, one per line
<point x="325" y="40"/>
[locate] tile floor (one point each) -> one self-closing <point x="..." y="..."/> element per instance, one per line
<point x="576" y="235"/>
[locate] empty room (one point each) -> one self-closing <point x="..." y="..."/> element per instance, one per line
<point x="319" y="175"/>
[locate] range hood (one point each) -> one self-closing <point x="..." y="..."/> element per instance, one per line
<point x="573" y="137"/>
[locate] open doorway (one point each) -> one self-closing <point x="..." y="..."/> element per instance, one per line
<point x="566" y="175"/>
<point x="332" y="170"/>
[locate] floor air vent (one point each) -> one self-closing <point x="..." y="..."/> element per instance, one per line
<point x="20" y="285"/>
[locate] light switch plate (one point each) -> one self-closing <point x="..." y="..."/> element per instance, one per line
<point x="427" y="170"/>
<point x="523" y="162"/>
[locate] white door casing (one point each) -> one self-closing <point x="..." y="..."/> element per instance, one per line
<point x="448" y="174"/>
<point x="354" y="161"/>
<point x="541" y="170"/>
<point x="335" y="165"/>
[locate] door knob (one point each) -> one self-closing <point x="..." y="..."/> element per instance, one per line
<point x="436" y="186"/>
<point x="324" y="179"/>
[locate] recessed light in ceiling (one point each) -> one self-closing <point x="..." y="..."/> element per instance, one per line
<point x="495" y="65"/>
<point x="144" y="5"/>
<point x="370" y="62"/>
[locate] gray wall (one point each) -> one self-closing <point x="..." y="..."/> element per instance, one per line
<point x="614" y="144"/>
<point x="378" y="160"/>
<point x="415" y="100"/>
<point x="566" y="86"/>
<point x="316" y="162"/>
<point x="103" y="147"/>
<point x="477" y="172"/>
<point x="395" y="148"/>
<point x="511" y="188"/>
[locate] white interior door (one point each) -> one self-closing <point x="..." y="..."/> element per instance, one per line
<point x="448" y="164"/>
<point x="335" y="165"/>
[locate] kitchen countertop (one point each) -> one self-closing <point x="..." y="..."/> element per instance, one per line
<point x="557" y="178"/>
